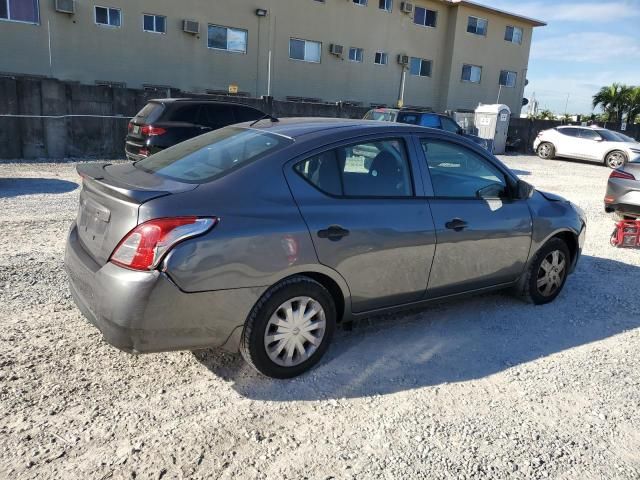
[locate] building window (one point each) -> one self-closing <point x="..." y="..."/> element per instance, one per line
<point x="154" y="23"/>
<point x="381" y="58"/>
<point x="513" y="35"/>
<point x="471" y="73"/>
<point x="425" y="17"/>
<point x="356" y="54"/>
<point x="108" y="16"/>
<point x="305" y="50"/>
<point x="477" y="26"/>
<point x="508" y="79"/>
<point x="420" y="67"/>
<point x="20" y="11"/>
<point x="360" y="2"/>
<point x="225" y="38"/>
<point x="386" y="5"/>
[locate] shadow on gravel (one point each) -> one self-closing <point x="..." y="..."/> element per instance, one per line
<point x="15" y="187"/>
<point x="521" y="173"/>
<point x="464" y="340"/>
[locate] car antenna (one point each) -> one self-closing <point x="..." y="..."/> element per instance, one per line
<point x="266" y="115"/>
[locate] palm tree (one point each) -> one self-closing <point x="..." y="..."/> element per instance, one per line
<point x="633" y="105"/>
<point x="613" y="100"/>
<point x="546" y="114"/>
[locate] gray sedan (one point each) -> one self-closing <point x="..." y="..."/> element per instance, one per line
<point x="262" y="239"/>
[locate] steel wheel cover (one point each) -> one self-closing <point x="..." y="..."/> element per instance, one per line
<point x="295" y="331"/>
<point x="551" y="273"/>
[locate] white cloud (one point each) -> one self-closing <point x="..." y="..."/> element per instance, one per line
<point x="554" y="11"/>
<point x="594" y="47"/>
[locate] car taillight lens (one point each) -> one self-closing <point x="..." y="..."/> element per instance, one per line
<point x="144" y="247"/>
<point x="151" y="131"/>
<point x="621" y="174"/>
<point x="130" y="126"/>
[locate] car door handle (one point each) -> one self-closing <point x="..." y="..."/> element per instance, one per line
<point x="456" y="224"/>
<point x="334" y="232"/>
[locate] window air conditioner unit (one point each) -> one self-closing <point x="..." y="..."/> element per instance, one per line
<point x="65" y="6"/>
<point x="406" y="7"/>
<point x="335" y="49"/>
<point x="191" y="26"/>
<point x="403" y="59"/>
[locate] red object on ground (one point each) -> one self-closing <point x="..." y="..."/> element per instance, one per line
<point x="626" y="234"/>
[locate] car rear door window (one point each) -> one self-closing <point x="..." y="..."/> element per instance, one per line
<point x="587" y="134"/>
<point x="371" y="169"/>
<point x="457" y="172"/>
<point x="218" y="116"/>
<point x="186" y="113"/>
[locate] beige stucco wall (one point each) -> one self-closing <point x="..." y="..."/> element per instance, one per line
<point x="86" y="52"/>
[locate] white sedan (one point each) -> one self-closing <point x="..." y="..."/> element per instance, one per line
<point x="587" y="143"/>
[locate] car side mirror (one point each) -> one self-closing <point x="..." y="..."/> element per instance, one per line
<point x="524" y="190"/>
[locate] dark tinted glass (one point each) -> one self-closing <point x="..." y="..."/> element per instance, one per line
<point x="296" y="49"/>
<point x="148" y="23"/>
<point x="217" y="116"/>
<point x="114" y="17"/>
<point x="207" y="157"/>
<point x="102" y="15"/>
<point x="4" y="13"/>
<point x="322" y="172"/>
<point x="247" y="114"/>
<point x="589" y="134"/>
<point x="160" y="24"/>
<point x="185" y="113"/>
<point x="149" y="113"/>
<point x="23" y="10"/>
<point x="570" y="132"/>
<point x="217" y="37"/>
<point x="449" y="125"/>
<point x="431" y="18"/>
<point x="457" y="172"/>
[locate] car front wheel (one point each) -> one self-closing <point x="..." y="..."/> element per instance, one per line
<point x="546" y="151"/>
<point x="615" y="159"/>
<point x="547" y="273"/>
<point x="290" y="328"/>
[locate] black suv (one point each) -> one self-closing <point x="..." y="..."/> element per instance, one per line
<point x="165" y="122"/>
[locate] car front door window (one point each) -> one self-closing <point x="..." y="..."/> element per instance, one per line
<point x="457" y="172"/>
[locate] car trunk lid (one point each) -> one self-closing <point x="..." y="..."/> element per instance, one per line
<point x="110" y="199"/>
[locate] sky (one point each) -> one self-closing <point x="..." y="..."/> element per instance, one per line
<point x="586" y="44"/>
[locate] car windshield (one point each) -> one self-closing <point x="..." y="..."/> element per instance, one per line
<point x="207" y="157"/>
<point x="380" y="115"/>
<point x="610" y="136"/>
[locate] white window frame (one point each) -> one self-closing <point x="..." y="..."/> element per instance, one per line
<point x="305" y="42"/>
<point x="508" y="72"/>
<point x="422" y="60"/>
<point x="486" y="27"/>
<point x="9" y="19"/>
<point x="246" y="42"/>
<point x="388" y="6"/>
<point x="514" y="36"/>
<point x="361" y="3"/>
<point x="383" y="55"/>
<point x="462" y="79"/>
<point x="357" y="50"/>
<point x="108" y="24"/>
<point x="425" y="17"/>
<point x="155" y="17"/>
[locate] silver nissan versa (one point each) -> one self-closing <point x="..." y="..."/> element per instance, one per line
<point x="263" y="237"/>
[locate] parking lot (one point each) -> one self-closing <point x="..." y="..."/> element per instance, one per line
<point x="486" y="387"/>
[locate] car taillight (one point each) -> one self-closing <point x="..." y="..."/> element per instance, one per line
<point x="621" y="174"/>
<point x="130" y="126"/>
<point x="144" y="247"/>
<point x="151" y="131"/>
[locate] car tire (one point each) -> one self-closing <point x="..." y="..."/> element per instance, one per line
<point x="542" y="282"/>
<point x="546" y="151"/>
<point x="615" y="159"/>
<point x="273" y="349"/>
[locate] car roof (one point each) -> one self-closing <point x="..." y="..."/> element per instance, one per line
<point x="298" y="127"/>
<point x="170" y="101"/>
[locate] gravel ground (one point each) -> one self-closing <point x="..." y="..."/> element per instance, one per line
<point x="482" y="388"/>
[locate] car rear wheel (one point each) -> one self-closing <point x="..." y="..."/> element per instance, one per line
<point x="615" y="159"/>
<point x="546" y="151"/>
<point x="547" y="273"/>
<point x="290" y="328"/>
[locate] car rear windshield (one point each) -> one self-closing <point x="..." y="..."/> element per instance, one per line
<point x="380" y="115"/>
<point x="210" y="156"/>
<point x="150" y="112"/>
<point x="425" y="120"/>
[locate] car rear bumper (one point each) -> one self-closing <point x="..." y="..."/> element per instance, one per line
<point x="142" y="312"/>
